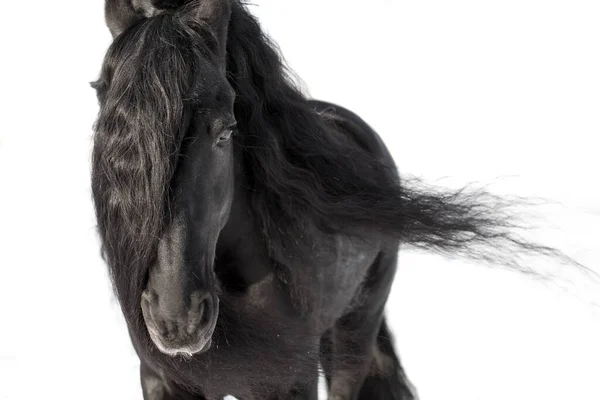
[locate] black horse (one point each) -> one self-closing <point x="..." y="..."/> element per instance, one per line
<point x="252" y="233"/>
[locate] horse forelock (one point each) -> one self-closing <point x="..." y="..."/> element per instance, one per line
<point x="143" y="90"/>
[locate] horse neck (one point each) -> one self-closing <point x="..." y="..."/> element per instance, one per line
<point x="240" y="241"/>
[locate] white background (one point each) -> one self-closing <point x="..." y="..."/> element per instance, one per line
<point x="461" y="90"/>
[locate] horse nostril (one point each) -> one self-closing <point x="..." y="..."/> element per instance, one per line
<point x="150" y="310"/>
<point x="200" y="313"/>
<point x="206" y="312"/>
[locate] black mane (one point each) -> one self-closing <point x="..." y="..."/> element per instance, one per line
<point x="299" y="171"/>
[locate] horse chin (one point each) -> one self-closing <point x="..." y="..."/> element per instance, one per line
<point x="187" y="351"/>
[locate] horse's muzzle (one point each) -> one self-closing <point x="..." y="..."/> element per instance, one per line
<point x="180" y="327"/>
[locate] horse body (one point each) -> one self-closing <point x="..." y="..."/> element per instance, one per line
<point x="274" y="313"/>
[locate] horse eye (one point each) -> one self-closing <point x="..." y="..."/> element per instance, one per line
<point x="225" y="135"/>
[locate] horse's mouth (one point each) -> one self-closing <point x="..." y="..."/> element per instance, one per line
<point x="177" y="349"/>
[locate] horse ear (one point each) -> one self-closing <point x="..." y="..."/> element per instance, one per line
<point x="121" y="14"/>
<point x="215" y="14"/>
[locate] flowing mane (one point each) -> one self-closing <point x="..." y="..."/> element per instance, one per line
<point x="299" y="171"/>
